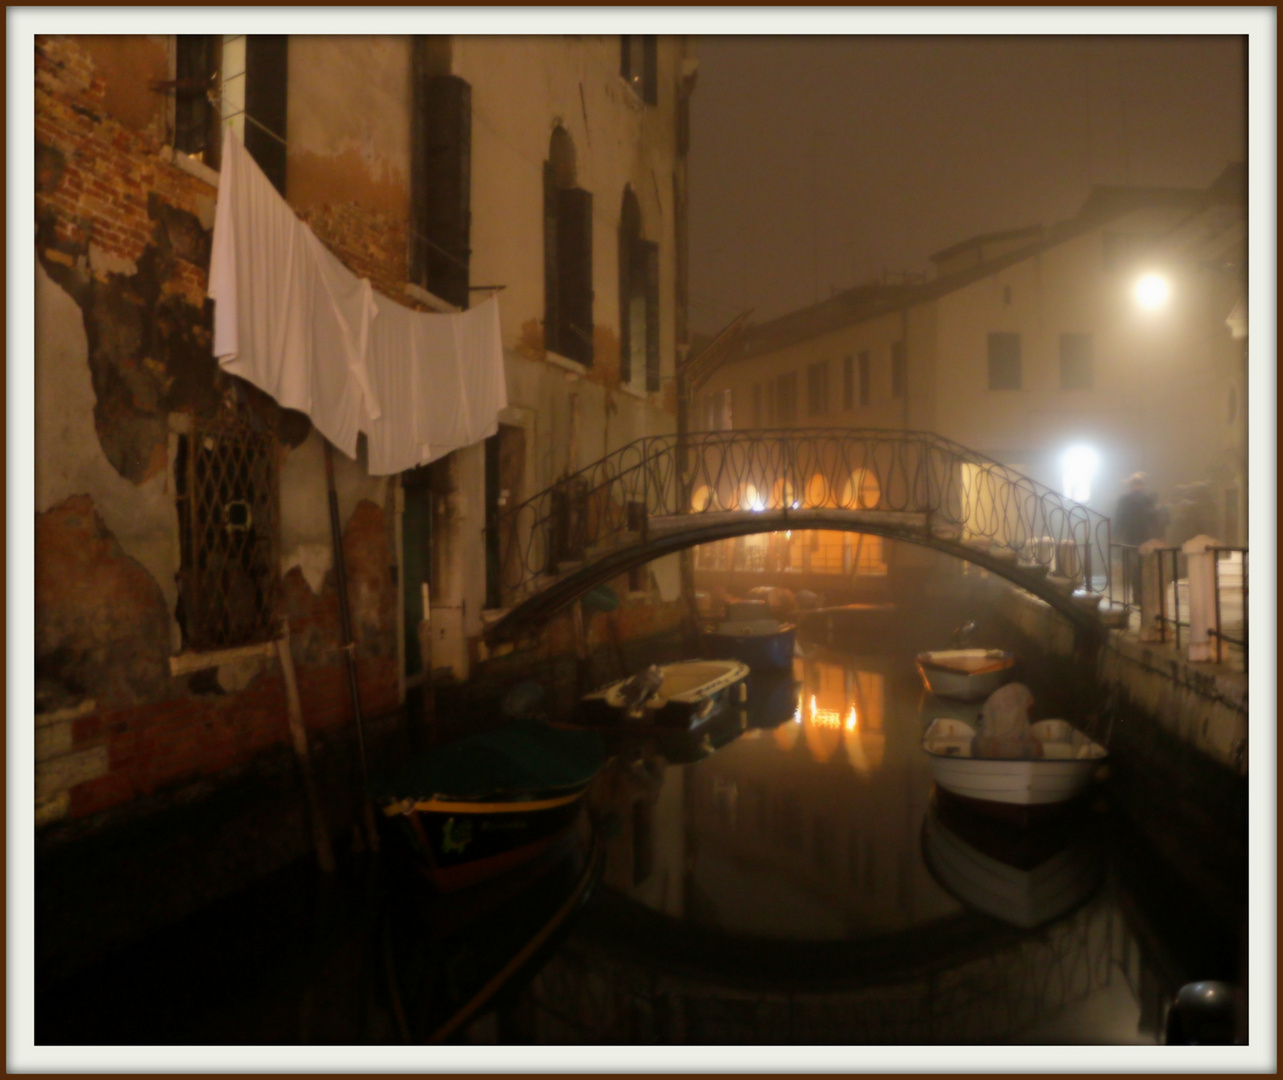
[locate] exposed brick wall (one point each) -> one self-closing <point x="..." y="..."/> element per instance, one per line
<point x="188" y="737"/>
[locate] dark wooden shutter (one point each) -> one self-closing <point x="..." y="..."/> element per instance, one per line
<point x="574" y="265"/>
<point x="651" y="251"/>
<point x="266" y="80"/>
<point x="551" y="276"/>
<point x="442" y="186"/>
<point x="626" y="258"/>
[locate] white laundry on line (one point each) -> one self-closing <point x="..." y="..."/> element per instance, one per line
<point x="292" y="320"/>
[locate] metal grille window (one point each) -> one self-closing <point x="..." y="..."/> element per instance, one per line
<point x="226" y="481"/>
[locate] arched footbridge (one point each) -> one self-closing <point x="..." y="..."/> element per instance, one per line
<point x="662" y="494"/>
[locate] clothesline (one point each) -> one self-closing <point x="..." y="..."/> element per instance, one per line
<point x="216" y="100"/>
<point x="290" y="318"/>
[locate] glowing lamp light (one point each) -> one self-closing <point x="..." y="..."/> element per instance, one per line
<point x="852" y="721"/>
<point x="1079" y="466"/>
<point x="1152" y="292"/>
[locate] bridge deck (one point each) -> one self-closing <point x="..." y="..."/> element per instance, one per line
<point x="666" y="524"/>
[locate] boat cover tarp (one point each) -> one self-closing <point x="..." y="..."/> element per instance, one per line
<point x="522" y="757"/>
<point x="1004" y="725"/>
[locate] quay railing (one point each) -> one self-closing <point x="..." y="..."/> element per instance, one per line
<point x="1126" y="590"/>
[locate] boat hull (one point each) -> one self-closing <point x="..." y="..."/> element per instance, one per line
<point x="761" y="652"/>
<point x="457" y="845"/>
<point x="948" y="681"/>
<point x="692" y="705"/>
<point x="1019" y="783"/>
<point x="1068" y="768"/>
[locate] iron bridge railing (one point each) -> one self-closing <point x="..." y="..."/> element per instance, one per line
<point x="961" y="494"/>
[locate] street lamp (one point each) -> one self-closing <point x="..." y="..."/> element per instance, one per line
<point x="1079" y="466"/>
<point x="1153" y="291"/>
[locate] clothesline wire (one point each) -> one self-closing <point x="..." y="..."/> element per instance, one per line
<point x="216" y="101"/>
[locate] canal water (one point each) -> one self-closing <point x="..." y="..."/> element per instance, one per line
<point x="791" y="878"/>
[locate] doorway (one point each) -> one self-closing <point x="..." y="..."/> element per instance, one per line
<point x="505" y="473"/>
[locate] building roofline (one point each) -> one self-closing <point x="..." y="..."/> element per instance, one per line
<point x="853" y="306"/>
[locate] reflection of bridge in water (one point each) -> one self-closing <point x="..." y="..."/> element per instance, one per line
<point x="662" y="494"/>
<point x="965" y="980"/>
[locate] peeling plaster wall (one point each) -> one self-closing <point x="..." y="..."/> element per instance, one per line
<point x="305" y="539"/>
<point x="349" y="122"/>
<point x="141" y="516"/>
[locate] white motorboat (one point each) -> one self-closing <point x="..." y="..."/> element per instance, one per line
<point x="1069" y="763"/>
<point x="682" y="695"/>
<point x="966" y="674"/>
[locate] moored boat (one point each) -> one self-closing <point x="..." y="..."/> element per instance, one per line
<point x="1069" y="762"/>
<point x="966" y="674"/>
<point x="480" y="805"/>
<point x="681" y="695"/>
<point x="751" y="634"/>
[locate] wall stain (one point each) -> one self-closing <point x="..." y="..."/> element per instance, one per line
<point x="102" y="629"/>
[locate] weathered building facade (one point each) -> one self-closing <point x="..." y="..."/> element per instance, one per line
<point x="181" y="514"/>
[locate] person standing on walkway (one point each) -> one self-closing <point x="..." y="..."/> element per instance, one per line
<point x="1136" y="520"/>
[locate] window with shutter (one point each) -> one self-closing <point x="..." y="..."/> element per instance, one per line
<point x="1075" y="362"/>
<point x="1004" y="361"/>
<point x="639" y="65"/>
<point x="223" y="79"/>
<point x="266" y="76"/>
<point x="552" y="288"/>
<point x="865" y="379"/>
<point x="574" y="273"/>
<point x="817" y="389"/>
<point x="198" y="58"/>
<point x="848" y="382"/>
<point x="441" y="184"/>
<point x="786" y="398"/>
<point x="899" y="355"/>
<point x="632" y="287"/>
<point x="650" y="254"/>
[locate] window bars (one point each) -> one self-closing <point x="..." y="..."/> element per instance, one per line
<point x="226" y="477"/>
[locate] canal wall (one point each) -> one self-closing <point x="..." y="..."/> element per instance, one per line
<point x="1177" y="734"/>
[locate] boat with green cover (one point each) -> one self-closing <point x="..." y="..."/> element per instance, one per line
<point x="481" y="804"/>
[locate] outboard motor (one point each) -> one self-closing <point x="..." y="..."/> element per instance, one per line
<point x="640" y="689"/>
<point x="1204" y="1014"/>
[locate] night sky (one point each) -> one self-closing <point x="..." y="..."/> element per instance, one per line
<point x="818" y="163"/>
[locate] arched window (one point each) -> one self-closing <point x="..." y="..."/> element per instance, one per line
<point x="638" y="295"/>
<point x="568" y="294"/>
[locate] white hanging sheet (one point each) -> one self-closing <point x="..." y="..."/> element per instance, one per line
<point x="292" y="320"/>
